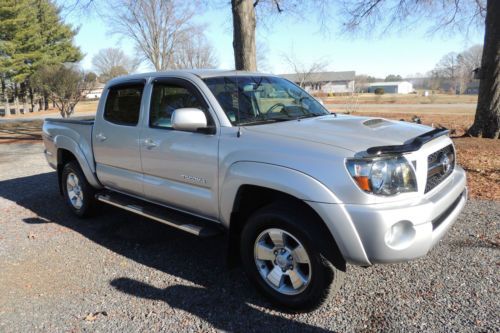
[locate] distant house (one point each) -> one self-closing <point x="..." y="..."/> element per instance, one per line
<point x="401" y="87"/>
<point x="96" y="92"/>
<point x="326" y="82"/>
<point x="472" y="87"/>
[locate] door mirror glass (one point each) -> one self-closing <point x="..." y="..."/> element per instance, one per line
<point x="189" y="119"/>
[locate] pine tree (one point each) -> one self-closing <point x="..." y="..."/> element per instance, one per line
<point x="32" y="34"/>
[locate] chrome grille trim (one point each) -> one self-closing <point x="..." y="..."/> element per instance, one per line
<point x="440" y="165"/>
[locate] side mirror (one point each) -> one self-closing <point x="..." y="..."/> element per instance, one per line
<point x="189" y="119"/>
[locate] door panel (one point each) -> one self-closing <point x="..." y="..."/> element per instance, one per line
<point x="116" y="140"/>
<point x="180" y="168"/>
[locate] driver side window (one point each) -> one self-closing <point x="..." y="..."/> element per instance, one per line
<point x="166" y="98"/>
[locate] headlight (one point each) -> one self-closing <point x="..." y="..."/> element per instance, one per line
<point x="383" y="175"/>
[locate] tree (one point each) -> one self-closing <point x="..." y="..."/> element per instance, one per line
<point x="155" y="26"/>
<point x="194" y="52"/>
<point x="245" y="17"/>
<point x="362" y="82"/>
<point x="113" y="62"/>
<point x="451" y="16"/>
<point x="448" y="69"/>
<point x="244" y="24"/>
<point x="468" y="60"/>
<point x="32" y="34"/>
<point x="487" y="118"/>
<point x="64" y="85"/>
<point x="304" y="72"/>
<point x="393" y="78"/>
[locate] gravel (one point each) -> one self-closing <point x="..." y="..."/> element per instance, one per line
<point x="119" y="272"/>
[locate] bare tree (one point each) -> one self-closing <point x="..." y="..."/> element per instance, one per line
<point x="155" y="26"/>
<point x="194" y="51"/>
<point x="304" y="72"/>
<point x="448" y="68"/>
<point x="112" y="62"/>
<point x="64" y="85"/>
<point x="468" y="61"/>
<point x="246" y="14"/>
<point x="451" y="16"/>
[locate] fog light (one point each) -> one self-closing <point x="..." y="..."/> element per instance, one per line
<point x="400" y="235"/>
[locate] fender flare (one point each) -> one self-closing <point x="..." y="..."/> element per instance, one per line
<point x="301" y="186"/>
<point x="63" y="142"/>
<point x="275" y="177"/>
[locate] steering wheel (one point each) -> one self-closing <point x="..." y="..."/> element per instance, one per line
<point x="271" y="109"/>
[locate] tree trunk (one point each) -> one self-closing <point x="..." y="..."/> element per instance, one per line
<point x="487" y="119"/>
<point x="32" y="99"/>
<point x="6" y="99"/>
<point x="45" y="101"/>
<point x="244" y="35"/>
<point x="16" y="100"/>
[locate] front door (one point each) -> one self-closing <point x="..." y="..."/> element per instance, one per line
<point x="180" y="168"/>
<point x="116" y="139"/>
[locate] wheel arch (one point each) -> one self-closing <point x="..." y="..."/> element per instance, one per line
<point x="262" y="183"/>
<point x="68" y="150"/>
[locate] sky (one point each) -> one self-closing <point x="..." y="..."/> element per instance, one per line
<point x="405" y="53"/>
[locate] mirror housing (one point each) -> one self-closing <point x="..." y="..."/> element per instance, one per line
<point x="189" y="119"/>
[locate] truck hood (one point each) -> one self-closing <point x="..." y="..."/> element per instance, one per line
<point x="348" y="132"/>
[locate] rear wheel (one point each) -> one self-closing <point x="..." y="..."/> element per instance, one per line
<point x="79" y="194"/>
<point x="280" y="257"/>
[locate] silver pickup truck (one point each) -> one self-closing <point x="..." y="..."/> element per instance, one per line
<point x="298" y="191"/>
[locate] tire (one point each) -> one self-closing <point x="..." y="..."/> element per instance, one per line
<point x="318" y="279"/>
<point x="78" y="193"/>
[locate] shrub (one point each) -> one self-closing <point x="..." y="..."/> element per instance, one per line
<point x="379" y="91"/>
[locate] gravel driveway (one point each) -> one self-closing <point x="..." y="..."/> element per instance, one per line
<point x="122" y="273"/>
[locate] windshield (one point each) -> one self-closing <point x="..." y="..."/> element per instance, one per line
<point x="252" y="100"/>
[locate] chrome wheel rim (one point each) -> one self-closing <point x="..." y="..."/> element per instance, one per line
<point x="74" y="190"/>
<point x="282" y="261"/>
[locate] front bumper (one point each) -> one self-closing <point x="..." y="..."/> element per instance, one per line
<point x="385" y="233"/>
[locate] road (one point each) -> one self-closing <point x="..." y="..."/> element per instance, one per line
<point x="118" y="272"/>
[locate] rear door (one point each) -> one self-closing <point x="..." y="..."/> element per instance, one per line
<point x="180" y="168"/>
<point x="116" y="138"/>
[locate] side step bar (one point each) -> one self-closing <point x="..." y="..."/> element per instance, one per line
<point x="191" y="224"/>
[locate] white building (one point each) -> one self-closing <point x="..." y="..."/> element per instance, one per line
<point x="326" y="82"/>
<point x="96" y="92"/>
<point x="400" y="87"/>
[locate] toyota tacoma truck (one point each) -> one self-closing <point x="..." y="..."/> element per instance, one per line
<point x="300" y="192"/>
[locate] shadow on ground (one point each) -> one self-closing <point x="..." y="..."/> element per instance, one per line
<point x="220" y="297"/>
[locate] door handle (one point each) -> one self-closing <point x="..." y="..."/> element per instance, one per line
<point x="101" y="137"/>
<point x="150" y="143"/>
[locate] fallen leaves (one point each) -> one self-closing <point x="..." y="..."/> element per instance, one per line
<point x="93" y="316"/>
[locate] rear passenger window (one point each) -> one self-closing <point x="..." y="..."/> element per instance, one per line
<point x="123" y="105"/>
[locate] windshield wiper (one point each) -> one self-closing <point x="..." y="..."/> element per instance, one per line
<point x="309" y="115"/>
<point x="264" y="121"/>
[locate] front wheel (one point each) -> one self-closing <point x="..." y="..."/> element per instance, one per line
<point x="280" y="256"/>
<point x="79" y="194"/>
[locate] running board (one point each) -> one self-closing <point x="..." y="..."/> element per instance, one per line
<point x="191" y="224"/>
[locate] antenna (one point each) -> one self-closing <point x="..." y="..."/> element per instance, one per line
<point x="238" y="134"/>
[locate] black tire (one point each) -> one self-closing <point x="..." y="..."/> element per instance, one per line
<point x="88" y="192"/>
<point x="325" y="279"/>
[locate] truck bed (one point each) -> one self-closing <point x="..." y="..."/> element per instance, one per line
<point x="74" y="134"/>
<point x="86" y="120"/>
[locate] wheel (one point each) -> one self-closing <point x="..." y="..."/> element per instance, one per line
<point x="280" y="256"/>
<point x="79" y="194"/>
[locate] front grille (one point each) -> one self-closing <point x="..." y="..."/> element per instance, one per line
<point x="440" y="165"/>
